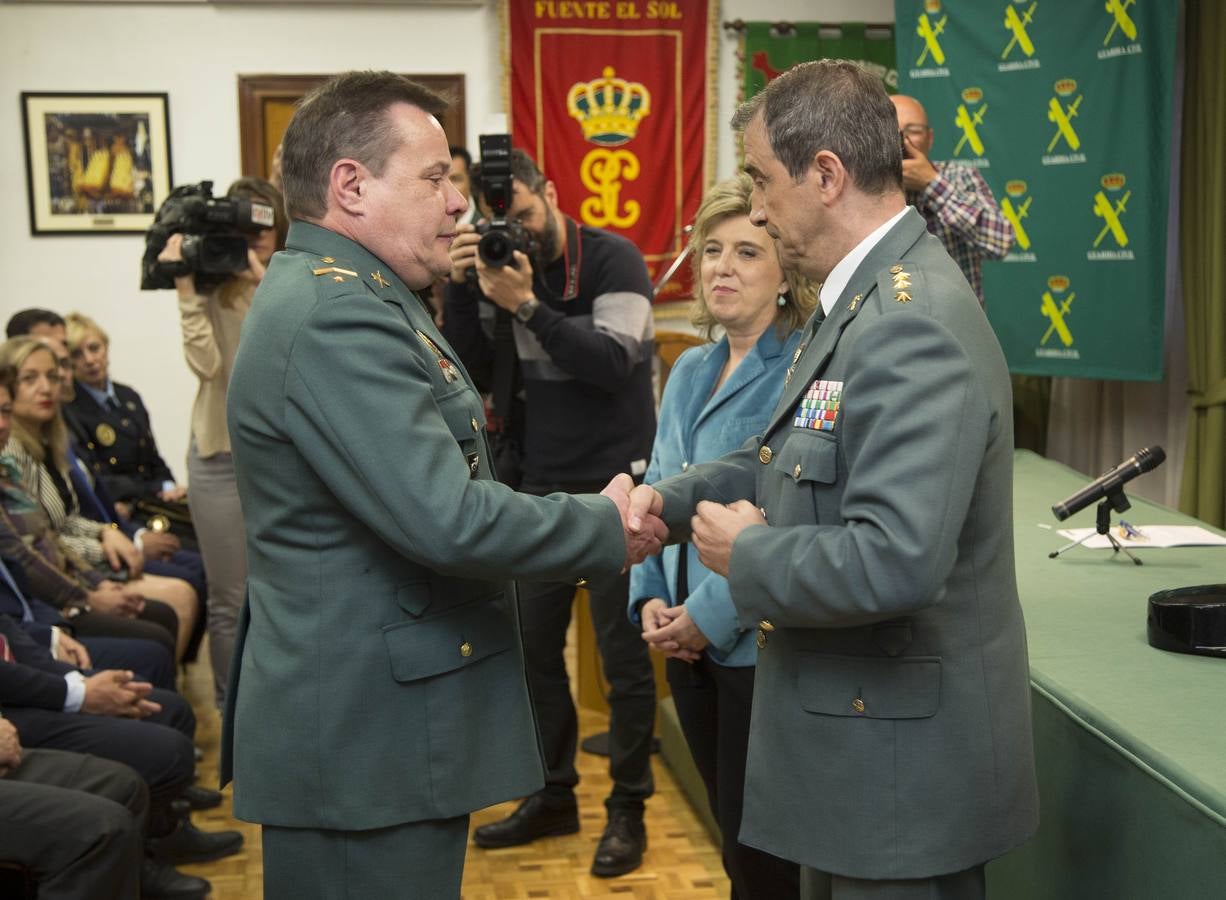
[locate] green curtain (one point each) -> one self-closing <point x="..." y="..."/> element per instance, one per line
<point x="1203" y="257"/>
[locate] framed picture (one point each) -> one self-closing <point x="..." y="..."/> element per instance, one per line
<point x="95" y="163"/>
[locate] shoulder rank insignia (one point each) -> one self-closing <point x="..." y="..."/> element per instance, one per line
<point x="450" y="373"/>
<point x="902" y="281"/>
<point x="105" y="434"/>
<point x="337" y="273"/>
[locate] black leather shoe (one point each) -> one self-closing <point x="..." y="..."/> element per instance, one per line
<point x="535" y="818"/>
<point x="621" y="846"/>
<point x="188" y="844"/>
<point x="159" y="881"/>
<point x="201" y="797"/>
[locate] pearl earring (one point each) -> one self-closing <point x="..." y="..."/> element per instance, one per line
<point x="783" y="300"/>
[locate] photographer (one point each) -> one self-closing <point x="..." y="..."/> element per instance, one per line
<point x="584" y="335"/>
<point x="211" y="323"/>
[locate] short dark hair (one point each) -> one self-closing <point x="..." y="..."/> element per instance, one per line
<point x="23" y="321"/>
<point x="346" y="117"/>
<point x="523" y="169"/>
<point x="462" y="152"/>
<point x="835" y="105"/>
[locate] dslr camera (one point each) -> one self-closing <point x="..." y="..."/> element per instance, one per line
<point x="213" y="229"/>
<point x="499" y="238"/>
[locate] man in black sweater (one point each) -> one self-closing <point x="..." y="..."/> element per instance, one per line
<point x="579" y="311"/>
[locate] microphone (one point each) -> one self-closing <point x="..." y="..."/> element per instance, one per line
<point x="1144" y="460"/>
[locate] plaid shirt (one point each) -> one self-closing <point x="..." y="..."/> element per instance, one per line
<point x="960" y="210"/>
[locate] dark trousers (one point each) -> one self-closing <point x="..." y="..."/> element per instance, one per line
<point x="150" y="660"/>
<point x="76" y="822"/>
<point x="158" y="623"/>
<point x="713" y="705"/>
<point x="965" y="885"/>
<point x="413" y="861"/>
<point x="545" y="610"/>
<point x="159" y="748"/>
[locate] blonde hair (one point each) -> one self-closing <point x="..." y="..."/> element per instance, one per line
<point x="77" y="326"/>
<point x="52" y="437"/>
<point x="726" y="200"/>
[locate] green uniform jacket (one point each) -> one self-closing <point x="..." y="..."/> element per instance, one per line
<point x="890" y="735"/>
<point x="378" y="674"/>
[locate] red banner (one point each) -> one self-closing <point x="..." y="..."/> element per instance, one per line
<point x="615" y="100"/>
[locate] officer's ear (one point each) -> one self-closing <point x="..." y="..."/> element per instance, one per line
<point x="347" y="184"/>
<point x="828" y="175"/>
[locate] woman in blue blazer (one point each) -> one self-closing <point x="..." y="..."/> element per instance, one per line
<point x="716" y="397"/>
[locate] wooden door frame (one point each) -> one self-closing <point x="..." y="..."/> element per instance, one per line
<point x="255" y="90"/>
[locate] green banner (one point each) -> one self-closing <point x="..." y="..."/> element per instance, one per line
<point x="1066" y="110"/>
<point x="770" y="49"/>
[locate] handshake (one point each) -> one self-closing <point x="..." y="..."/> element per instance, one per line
<point x="644" y="530"/>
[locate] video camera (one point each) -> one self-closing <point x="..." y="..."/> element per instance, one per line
<point x="213" y="229"/>
<point x="499" y="238"/>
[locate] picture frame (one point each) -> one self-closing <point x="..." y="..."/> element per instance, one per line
<point x="96" y="163"/>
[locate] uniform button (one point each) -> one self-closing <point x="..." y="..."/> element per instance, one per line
<point x="90" y="445"/>
<point x="857" y="705"/>
<point x="113" y="461"/>
<point x="466" y="649"/>
<point x="140" y="468"/>
<point x="765" y="455"/>
<point x="761" y="640"/>
<point x="473" y="422"/>
<point x="796" y="471"/>
<point x="685" y="464"/>
<point x="767" y="625"/>
<point x="123" y="422"/>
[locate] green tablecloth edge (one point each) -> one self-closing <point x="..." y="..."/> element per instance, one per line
<point x="1175" y="778"/>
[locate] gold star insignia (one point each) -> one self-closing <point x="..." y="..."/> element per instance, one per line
<point x="339" y="278"/>
<point x="379" y="279"/>
<point x="327" y="259"/>
<point x="902" y="297"/>
<point x="851" y="307"/>
<point x="894" y="269"/>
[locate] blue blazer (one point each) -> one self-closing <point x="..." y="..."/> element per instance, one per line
<point x="696" y="426"/>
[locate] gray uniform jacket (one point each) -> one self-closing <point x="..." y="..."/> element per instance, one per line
<point x="891" y="729"/>
<point x="378" y="677"/>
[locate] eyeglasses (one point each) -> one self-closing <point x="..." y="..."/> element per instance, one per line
<point x="915" y="131"/>
<point x="29" y="379"/>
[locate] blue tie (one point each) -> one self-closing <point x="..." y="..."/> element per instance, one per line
<point x="27" y="615"/>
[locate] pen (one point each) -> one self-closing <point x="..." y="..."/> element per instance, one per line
<point x="1127" y="530"/>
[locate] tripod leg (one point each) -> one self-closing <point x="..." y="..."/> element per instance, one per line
<point x="1120" y="548"/>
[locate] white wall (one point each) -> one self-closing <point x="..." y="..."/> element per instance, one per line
<point x="194" y="53"/>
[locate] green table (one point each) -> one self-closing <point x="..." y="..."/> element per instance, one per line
<point x="1130" y="740"/>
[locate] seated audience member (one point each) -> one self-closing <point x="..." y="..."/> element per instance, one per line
<point x="112" y="715"/>
<point x="111" y="423"/>
<point x="716" y="396"/>
<point x="37" y="449"/>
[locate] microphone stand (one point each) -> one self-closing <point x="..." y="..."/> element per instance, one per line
<point x="1113" y="501"/>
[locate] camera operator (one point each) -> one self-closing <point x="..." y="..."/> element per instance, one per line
<point x="210" y="323"/>
<point x="583" y="332"/>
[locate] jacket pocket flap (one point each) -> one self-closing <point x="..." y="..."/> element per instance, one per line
<point x="906" y="687"/>
<point x="809" y="457"/>
<point x="449" y="640"/>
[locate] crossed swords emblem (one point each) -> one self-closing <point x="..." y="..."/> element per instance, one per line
<point x="1063" y="118"/>
<point x="1111" y="216"/>
<point x="1017" y="24"/>
<point x="929" y="31"/>
<point x="1015" y="216"/>
<point x="1122" y="21"/>
<point x="970" y="128"/>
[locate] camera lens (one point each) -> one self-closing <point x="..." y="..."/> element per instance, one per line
<point x="496" y="248"/>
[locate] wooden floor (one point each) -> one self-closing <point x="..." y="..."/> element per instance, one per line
<point x="681" y="862"/>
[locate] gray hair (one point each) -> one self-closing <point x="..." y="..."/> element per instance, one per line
<point x="834" y="105"/>
<point x="344" y="118"/>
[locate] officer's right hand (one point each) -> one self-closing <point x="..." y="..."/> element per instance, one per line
<point x="464" y="251"/>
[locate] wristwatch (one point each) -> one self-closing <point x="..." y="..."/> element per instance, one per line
<point x="527" y="310"/>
